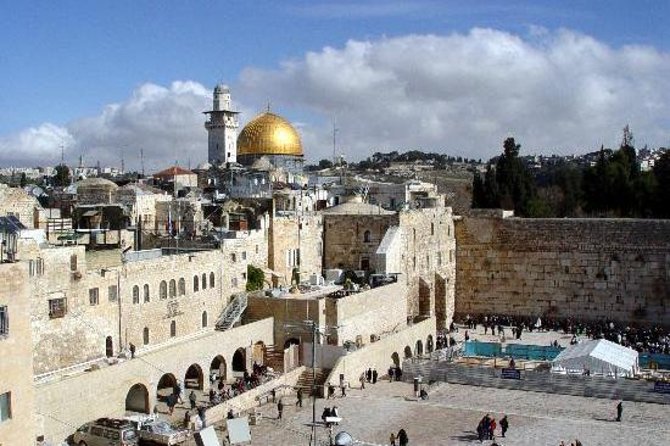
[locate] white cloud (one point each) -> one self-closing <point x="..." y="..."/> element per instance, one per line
<point x="167" y="123"/>
<point x="464" y="93"/>
<point x="555" y="91"/>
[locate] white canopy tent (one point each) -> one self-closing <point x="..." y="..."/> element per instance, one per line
<point x="598" y="356"/>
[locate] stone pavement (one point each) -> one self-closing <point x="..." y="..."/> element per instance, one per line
<point x="451" y="415"/>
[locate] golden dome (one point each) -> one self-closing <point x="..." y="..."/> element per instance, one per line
<point x="269" y="134"/>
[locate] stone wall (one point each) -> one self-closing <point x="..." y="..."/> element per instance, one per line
<point x="290" y="233"/>
<point x="16" y="355"/>
<point x="582" y="268"/>
<point x="383" y="353"/>
<point x="17" y="202"/>
<point x="378" y="311"/>
<point x="61" y="407"/>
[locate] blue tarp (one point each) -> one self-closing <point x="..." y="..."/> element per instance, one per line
<point x="520" y="351"/>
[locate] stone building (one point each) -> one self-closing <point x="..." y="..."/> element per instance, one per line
<point x="20" y="204"/>
<point x="295" y="246"/>
<point x="17" y="396"/>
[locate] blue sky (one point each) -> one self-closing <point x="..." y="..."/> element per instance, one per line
<point x="64" y="63"/>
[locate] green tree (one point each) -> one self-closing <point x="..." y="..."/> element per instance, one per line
<point x="62" y="176"/>
<point x="255" y="278"/>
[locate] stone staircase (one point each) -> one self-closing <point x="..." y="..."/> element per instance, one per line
<point x="536" y="381"/>
<point x="307" y="379"/>
<point x="232" y="313"/>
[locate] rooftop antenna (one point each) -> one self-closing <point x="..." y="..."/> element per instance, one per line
<point x="335" y="130"/>
<point x="62" y="154"/>
<point x="268" y="106"/>
<point x="123" y="164"/>
<point x="142" y="160"/>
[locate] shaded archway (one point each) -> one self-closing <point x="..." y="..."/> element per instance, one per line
<point x="291" y="341"/>
<point x="419" y="347"/>
<point x="165" y="386"/>
<point x="137" y="399"/>
<point x="395" y="358"/>
<point x="408" y="351"/>
<point x="218" y="368"/>
<point x="430" y="344"/>
<point x="109" y="347"/>
<point x="194" y="378"/>
<point x="240" y="360"/>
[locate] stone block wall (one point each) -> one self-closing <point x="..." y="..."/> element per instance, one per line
<point x="15" y="201"/>
<point x="580" y="268"/>
<point x="378" y="311"/>
<point x="16" y="355"/>
<point x="383" y="353"/>
<point x="290" y="233"/>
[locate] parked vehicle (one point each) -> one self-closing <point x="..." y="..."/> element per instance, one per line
<point x="106" y="432"/>
<point x="152" y="431"/>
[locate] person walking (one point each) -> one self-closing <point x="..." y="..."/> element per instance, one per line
<point x="192" y="399"/>
<point x="369" y="375"/>
<point x="403" y="439"/>
<point x="343" y="390"/>
<point x="392" y="439"/>
<point x="374" y="376"/>
<point x="619" y="411"/>
<point x="299" y="396"/>
<point x="176" y="390"/>
<point x="132" y="350"/>
<point x="391" y="374"/>
<point x="362" y="380"/>
<point x="504" y="425"/>
<point x="280" y="408"/>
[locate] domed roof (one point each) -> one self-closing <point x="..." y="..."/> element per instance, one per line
<point x="269" y="134"/>
<point x="94" y="182"/>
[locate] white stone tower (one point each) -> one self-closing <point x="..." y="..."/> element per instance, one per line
<point x="222" y="128"/>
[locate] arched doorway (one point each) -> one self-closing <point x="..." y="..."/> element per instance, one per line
<point x="429" y="344"/>
<point x="165" y="386"/>
<point x="193" y="378"/>
<point x="137" y="399"/>
<point x="395" y="358"/>
<point x="218" y="368"/>
<point x="240" y="360"/>
<point x="419" y="347"/>
<point x="109" y="347"/>
<point x="291" y="341"/>
<point x="408" y="351"/>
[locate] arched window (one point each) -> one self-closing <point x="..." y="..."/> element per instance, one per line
<point x="204" y="319"/>
<point x="432" y="229"/>
<point x="147" y="296"/>
<point x="211" y="280"/>
<point x="204" y="281"/>
<point x="136" y="294"/>
<point x="162" y="290"/>
<point x="366" y="236"/>
<point x="173" y="288"/>
<point x="182" y="286"/>
<point x="196" y="281"/>
<point x="145" y="335"/>
<point x="173" y="329"/>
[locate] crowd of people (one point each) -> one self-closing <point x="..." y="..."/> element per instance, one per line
<point x="644" y="339"/>
<point x="487" y="427"/>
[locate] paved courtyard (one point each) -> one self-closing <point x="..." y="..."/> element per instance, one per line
<point x="451" y="415"/>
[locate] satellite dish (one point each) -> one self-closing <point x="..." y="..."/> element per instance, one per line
<point x="343" y="439"/>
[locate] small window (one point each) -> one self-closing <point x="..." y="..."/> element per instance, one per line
<point x="233" y="257"/>
<point x="244" y="255"/>
<point x="73" y="262"/>
<point x="57" y="308"/>
<point x="366" y="236"/>
<point x="4" y="321"/>
<point x="244" y="276"/>
<point x="432" y="229"/>
<point x="31" y="268"/>
<point x="256" y="249"/>
<point x="204" y="319"/>
<point x="147" y="296"/>
<point x="112" y="293"/>
<point x="182" y="286"/>
<point x="173" y="288"/>
<point x="233" y="282"/>
<point x="439" y="258"/>
<point x="136" y="294"/>
<point x="93" y="296"/>
<point x="414" y="263"/>
<point x="40" y="266"/>
<point x="5" y="406"/>
<point x="196" y="283"/>
<point x="204" y="281"/>
<point x="162" y="290"/>
<point x="211" y="280"/>
<point x="173" y="329"/>
<point x="145" y="335"/>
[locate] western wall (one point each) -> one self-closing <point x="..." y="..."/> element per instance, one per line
<point x="588" y="269"/>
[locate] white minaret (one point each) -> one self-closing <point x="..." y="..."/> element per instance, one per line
<point x="222" y="128"/>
